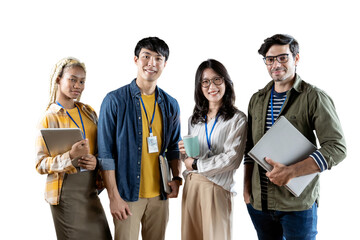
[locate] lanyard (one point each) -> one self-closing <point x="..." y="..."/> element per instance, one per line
<point x="152" y="119"/>
<point x="82" y="123"/>
<point x="208" y="139"/>
<point x="272" y="109"/>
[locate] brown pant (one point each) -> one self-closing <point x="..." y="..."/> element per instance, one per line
<point x="206" y="210"/>
<point x="152" y="213"/>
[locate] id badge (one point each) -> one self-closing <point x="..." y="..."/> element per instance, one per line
<point x="152" y="144"/>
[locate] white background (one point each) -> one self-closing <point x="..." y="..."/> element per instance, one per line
<point x="103" y="34"/>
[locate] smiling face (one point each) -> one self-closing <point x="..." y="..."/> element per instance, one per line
<point x="150" y="65"/>
<point x="213" y="93"/>
<point x="282" y="73"/>
<point x="71" y="83"/>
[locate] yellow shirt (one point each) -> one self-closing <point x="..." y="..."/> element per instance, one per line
<point x="90" y="127"/>
<point x="150" y="172"/>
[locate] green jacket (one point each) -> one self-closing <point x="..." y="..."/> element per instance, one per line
<point x="307" y="108"/>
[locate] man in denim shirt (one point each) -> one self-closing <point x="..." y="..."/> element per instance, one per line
<point x="138" y="122"/>
<point x="275" y="212"/>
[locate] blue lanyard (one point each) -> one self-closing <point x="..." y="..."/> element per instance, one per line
<point x="82" y="123"/>
<point x="152" y="119"/>
<point x="208" y="139"/>
<point x="272" y="110"/>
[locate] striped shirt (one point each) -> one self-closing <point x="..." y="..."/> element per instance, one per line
<point x="227" y="143"/>
<point x="278" y="101"/>
<point x="57" y="166"/>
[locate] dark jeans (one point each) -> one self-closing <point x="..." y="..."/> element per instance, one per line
<point x="279" y="225"/>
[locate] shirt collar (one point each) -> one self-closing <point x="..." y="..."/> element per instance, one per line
<point x="135" y="91"/>
<point x="297" y="84"/>
<point x="56" y="108"/>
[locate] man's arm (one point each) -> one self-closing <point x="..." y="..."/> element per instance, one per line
<point x="118" y="207"/>
<point x="106" y="142"/>
<point x="248" y="171"/>
<point x="248" y="161"/>
<point x="328" y="131"/>
<point x="173" y="152"/>
<point x="282" y="174"/>
<point x="331" y="138"/>
<point x="175" y="166"/>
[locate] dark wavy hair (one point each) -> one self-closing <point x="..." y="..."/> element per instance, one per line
<point x="279" y="39"/>
<point x="227" y="109"/>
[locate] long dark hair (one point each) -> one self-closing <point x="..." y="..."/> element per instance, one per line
<point x="227" y="109"/>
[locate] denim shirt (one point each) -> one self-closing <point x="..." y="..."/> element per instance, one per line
<point x="120" y="136"/>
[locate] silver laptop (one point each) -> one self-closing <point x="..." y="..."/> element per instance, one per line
<point x="283" y="143"/>
<point x="60" y="140"/>
<point x="165" y="173"/>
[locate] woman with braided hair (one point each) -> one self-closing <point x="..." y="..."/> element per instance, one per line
<point x="71" y="189"/>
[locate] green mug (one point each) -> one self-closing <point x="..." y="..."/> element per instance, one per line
<point x="191" y="144"/>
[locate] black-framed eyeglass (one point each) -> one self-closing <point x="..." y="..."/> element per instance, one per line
<point x="282" y="58"/>
<point x="205" y="83"/>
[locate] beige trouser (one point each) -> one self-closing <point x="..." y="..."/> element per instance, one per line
<point x="206" y="210"/>
<point x="152" y="213"/>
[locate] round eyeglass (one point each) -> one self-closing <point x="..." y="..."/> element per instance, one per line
<point x="282" y="58"/>
<point x="205" y="83"/>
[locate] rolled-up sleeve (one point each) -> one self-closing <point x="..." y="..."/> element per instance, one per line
<point x="329" y="132"/>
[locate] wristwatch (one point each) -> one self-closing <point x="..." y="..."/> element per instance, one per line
<point x="194" y="164"/>
<point x="177" y="178"/>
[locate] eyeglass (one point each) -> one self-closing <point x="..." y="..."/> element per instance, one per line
<point x="282" y="58"/>
<point x="205" y="83"/>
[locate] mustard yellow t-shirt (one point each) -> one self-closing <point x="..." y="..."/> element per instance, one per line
<point x="90" y="127"/>
<point x="150" y="172"/>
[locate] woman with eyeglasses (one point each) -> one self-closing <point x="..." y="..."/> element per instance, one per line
<point x="72" y="176"/>
<point x="221" y="130"/>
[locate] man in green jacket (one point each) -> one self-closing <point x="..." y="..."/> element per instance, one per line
<point x="274" y="211"/>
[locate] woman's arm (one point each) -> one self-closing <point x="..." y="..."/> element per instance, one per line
<point x="234" y="147"/>
<point x="46" y="164"/>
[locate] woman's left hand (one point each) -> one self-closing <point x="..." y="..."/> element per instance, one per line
<point x="88" y="162"/>
<point x="188" y="163"/>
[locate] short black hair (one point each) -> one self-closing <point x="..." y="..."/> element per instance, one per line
<point x="279" y="39"/>
<point x="154" y="44"/>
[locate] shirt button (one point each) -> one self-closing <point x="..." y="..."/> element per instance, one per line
<point x="138" y="176"/>
<point x="139" y="133"/>
<point x="139" y="163"/>
<point x="139" y="148"/>
<point x="139" y="118"/>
